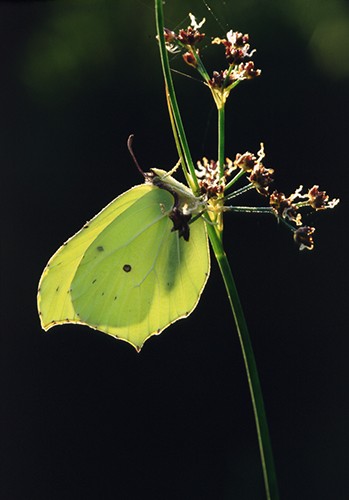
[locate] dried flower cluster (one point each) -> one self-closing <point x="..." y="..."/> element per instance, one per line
<point x="286" y="209"/>
<point x="237" y="50"/>
<point x="208" y="174"/>
<point x="260" y="176"/>
<point x="185" y="38"/>
<point x="215" y="182"/>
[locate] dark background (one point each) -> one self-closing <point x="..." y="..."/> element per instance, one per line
<point x="85" y="416"/>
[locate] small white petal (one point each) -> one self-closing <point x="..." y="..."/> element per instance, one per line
<point x="231" y="37"/>
<point x="174" y="49"/>
<point x="194" y="23"/>
<point x="332" y="203"/>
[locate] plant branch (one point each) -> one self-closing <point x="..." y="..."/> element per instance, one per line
<point x="221" y="139"/>
<point x="264" y="443"/>
<point x="249" y="210"/>
<point x="234" y="179"/>
<point x="172" y="95"/>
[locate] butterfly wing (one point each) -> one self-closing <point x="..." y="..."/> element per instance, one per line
<point x="127" y="274"/>
<point x="54" y="299"/>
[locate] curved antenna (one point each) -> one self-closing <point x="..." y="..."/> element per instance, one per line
<point x="129" y="146"/>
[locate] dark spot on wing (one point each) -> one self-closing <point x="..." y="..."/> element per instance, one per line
<point x="94" y="281"/>
<point x="86" y="226"/>
<point x="100" y="249"/>
<point x="57" y="288"/>
<point x="127" y="268"/>
<point x="115" y="297"/>
<point x="102" y="293"/>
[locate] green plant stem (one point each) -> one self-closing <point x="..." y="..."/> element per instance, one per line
<point x="238" y="192"/>
<point x="264" y="443"/>
<point x="234" y="179"/>
<point x="200" y="67"/>
<point x="249" y="210"/>
<point x="221" y="137"/>
<point x="172" y="95"/>
<point x="178" y="143"/>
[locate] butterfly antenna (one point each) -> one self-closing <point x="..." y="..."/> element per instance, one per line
<point x="129" y="145"/>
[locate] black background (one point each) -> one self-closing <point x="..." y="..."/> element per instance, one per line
<point x="85" y="416"/>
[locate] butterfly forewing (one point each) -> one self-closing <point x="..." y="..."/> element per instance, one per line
<point x="54" y="298"/>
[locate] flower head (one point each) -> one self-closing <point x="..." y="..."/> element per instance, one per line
<point x="245" y="161"/>
<point x="236" y="45"/>
<point x="208" y="177"/>
<point x="190" y="59"/>
<point x="303" y="237"/>
<point x="171" y="41"/>
<point x="247" y="71"/>
<point x="191" y="35"/>
<point x="319" y="200"/>
<point x="221" y="80"/>
<point x="284" y="208"/>
<point x="186" y="38"/>
<point x="260" y="176"/>
<point x="208" y="174"/>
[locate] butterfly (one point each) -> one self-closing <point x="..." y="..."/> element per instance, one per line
<point x="134" y="269"/>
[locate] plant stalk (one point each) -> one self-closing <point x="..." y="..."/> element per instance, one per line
<point x="221" y="137"/>
<point x="263" y="437"/>
<point x="249" y="210"/>
<point x="172" y="95"/>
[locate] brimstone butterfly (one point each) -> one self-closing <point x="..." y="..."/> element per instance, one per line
<point x="133" y="269"/>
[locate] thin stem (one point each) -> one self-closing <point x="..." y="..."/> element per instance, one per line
<point x="200" y="67"/>
<point x="238" y="192"/>
<point x="178" y="143"/>
<point x="234" y="179"/>
<point x="249" y="210"/>
<point x="302" y="204"/>
<point x="221" y="139"/>
<point x="221" y="146"/>
<point x="287" y="224"/>
<point x="264" y="443"/>
<point x="171" y="92"/>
